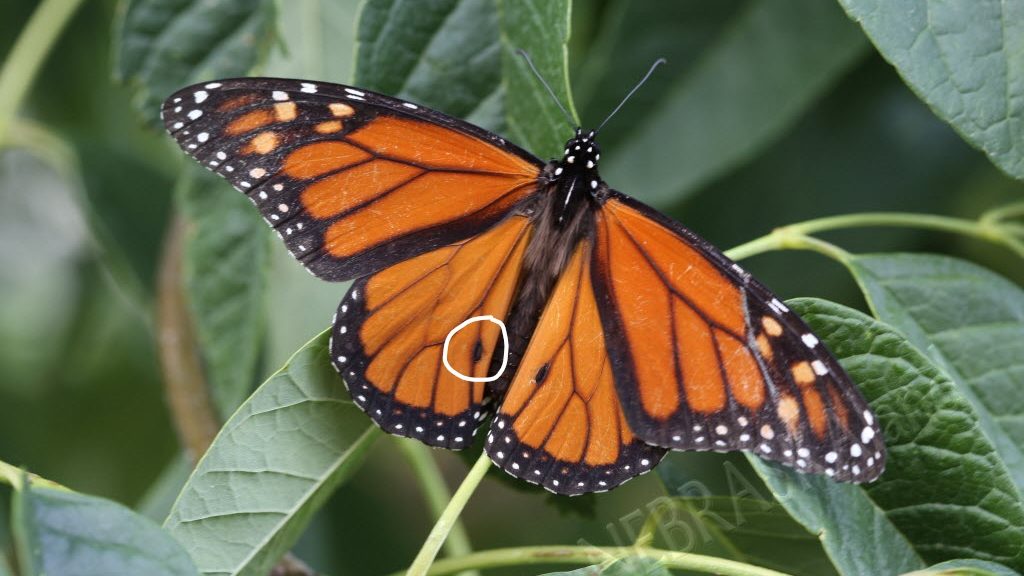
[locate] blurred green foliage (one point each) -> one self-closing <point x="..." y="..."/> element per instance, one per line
<point x="769" y="112"/>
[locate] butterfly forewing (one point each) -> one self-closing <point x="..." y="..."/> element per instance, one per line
<point x="353" y="181"/>
<point x="706" y="358"/>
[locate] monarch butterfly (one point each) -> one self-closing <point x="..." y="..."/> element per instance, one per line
<point x="628" y="335"/>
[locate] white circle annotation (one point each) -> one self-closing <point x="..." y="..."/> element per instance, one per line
<point x="504" y="360"/>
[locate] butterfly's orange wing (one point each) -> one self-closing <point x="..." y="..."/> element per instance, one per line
<point x="390" y="330"/>
<point x="353" y="181"/>
<point x="706" y="358"/>
<point x="561" y="424"/>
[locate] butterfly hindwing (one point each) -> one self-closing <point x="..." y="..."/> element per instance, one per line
<point x="390" y="330"/>
<point x="561" y="424"/>
<point x="707" y="358"/>
<point x="352" y="181"/>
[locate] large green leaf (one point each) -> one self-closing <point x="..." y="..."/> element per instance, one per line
<point x="165" y="44"/>
<point x="944" y="489"/>
<point x="542" y="30"/>
<point x="855" y="532"/>
<point x="970" y="321"/>
<point x="62" y="532"/>
<point x="965" y="59"/>
<point x="317" y="41"/>
<point x="966" y="568"/>
<point x="37" y="286"/>
<point x="773" y="61"/>
<point x="444" y="54"/>
<point x="271" y="467"/>
<point x="680" y="32"/>
<point x="226" y="256"/>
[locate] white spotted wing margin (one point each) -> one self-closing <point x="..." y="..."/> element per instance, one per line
<point x="791" y="403"/>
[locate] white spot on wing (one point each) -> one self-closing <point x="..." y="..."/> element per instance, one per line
<point x="819" y="367"/>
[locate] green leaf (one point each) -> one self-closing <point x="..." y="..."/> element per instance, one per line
<point x="680" y="32"/>
<point x="271" y="467"/>
<point x="163" y="45"/>
<point x="773" y="61"/>
<point x="745" y="529"/>
<point x="856" y="534"/>
<point x="966" y="568"/>
<point x="317" y="41"/>
<point x="944" y="488"/>
<point x="443" y="54"/>
<point x="542" y="30"/>
<point x="623" y="567"/>
<point x="965" y="59"/>
<point x="57" y="531"/>
<point x="38" y="286"/>
<point x="970" y="321"/>
<point x="226" y="257"/>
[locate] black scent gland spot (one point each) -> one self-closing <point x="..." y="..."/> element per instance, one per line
<point x="541" y="374"/>
<point x="478" y="351"/>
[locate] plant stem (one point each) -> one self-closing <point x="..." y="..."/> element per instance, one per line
<point x="185" y="386"/>
<point x="436" y="493"/>
<point x="587" y="555"/>
<point x="22" y="64"/>
<point x="448" y="518"/>
<point x="797" y="236"/>
<point x="897" y="219"/>
<point x="760" y="245"/>
<point x="1008" y="211"/>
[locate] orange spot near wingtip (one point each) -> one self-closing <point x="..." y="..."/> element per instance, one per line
<point x="802" y="373"/>
<point x="341" y="110"/>
<point x="764" y="347"/>
<point x="789" y="411"/>
<point x="329" y="127"/>
<point x="771" y="326"/>
<point x="285" y="111"/>
<point x="262" y="143"/>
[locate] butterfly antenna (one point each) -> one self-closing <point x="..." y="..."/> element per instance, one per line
<point x="529" y="62"/>
<point x="657" y="63"/>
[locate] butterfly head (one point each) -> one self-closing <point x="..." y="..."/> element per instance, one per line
<point x="581" y="151"/>
<point x="579" y="160"/>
